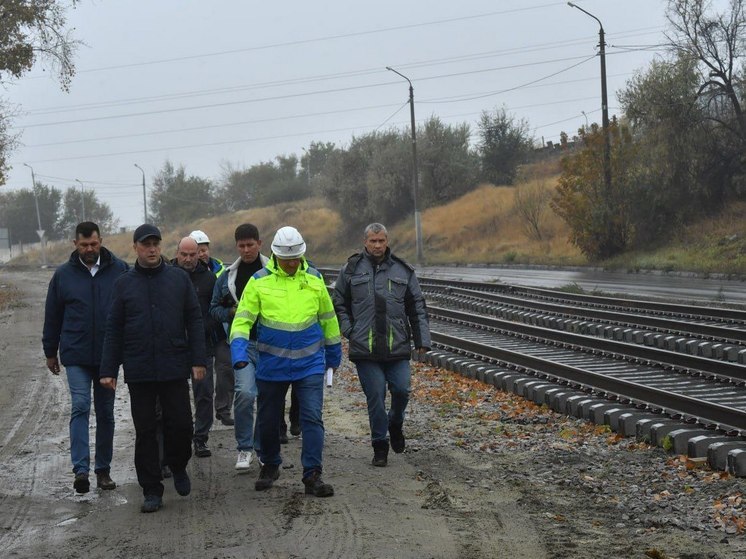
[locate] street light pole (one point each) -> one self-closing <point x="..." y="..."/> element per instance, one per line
<point x="415" y="170"/>
<point x="82" y="193"/>
<point x="144" y="196"/>
<point x="586" y="119"/>
<point x="39" y="231"/>
<point x="604" y="100"/>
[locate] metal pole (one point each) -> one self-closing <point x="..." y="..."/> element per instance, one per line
<point x="604" y="100"/>
<point x="82" y="193"/>
<point x="415" y="171"/>
<point x="39" y="231"/>
<point x="144" y="196"/>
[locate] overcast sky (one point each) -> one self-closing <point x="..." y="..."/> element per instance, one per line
<point x="229" y="81"/>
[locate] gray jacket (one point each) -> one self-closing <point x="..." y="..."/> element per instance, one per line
<point x="380" y="308"/>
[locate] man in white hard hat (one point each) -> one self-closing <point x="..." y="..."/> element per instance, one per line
<point x="203" y="244"/>
<point x="297" y="340"/>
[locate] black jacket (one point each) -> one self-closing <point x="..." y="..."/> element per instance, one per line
<point x="76" y="308"/>
<point x="203" y="281"/>
<point x="154" y="327"/>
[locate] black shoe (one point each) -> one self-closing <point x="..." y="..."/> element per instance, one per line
<point x="182" y="483"/>
<point x="315" y="485"/>
<point x="166" y="471"/>
<point x="201" y="450"/>
<point x="81" y="483"/>
<point x="267" y="476"/>
<point x="104" y="481"/>
<point x="397" y="438"/>
<point x="380" y="453"/>
<point x="226" y="420"/>
<point x="151" y="503"/>
<point x="294" y="429"/>
<point x="283" y="437"/>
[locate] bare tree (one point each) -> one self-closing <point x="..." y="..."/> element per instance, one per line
<point x="530" y="202"/>
<point x="717" y="41"/>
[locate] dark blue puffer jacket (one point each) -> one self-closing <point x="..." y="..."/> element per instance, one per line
<point x="76" y="309"/>
<point x="154" y="327"/>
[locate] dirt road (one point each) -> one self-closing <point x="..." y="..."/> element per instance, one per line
<point x="472" y="483"/>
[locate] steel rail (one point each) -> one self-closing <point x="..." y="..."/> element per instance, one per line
<point x="733" y="371"/>
<point x="691" y="311"/>
<point x="669" y="326"/>
<point x="725" y="417"/>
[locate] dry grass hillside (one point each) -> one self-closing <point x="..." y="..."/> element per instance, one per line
<point x="485" y="226"/>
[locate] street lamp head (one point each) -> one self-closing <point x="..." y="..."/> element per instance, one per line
<point x="571" y="5"/>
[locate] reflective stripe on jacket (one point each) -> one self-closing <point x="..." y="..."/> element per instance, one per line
<point x="298" y="332"/>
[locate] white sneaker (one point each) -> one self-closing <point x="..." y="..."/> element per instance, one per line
<point x="244" y="460"/>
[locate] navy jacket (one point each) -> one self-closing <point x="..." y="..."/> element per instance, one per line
<point x="154" y="327"/>
<point x="76" y="309"/>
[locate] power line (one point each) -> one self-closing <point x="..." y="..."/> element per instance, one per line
<point x="321" y="39"/>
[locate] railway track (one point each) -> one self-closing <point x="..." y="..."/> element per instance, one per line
<point x="673" y="375"/>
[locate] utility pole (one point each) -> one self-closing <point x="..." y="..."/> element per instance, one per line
<point x="415" y="171"/>
<point x="144" y="195"/>
<point x="39" y="231"/>
<point x="604" y="100"/>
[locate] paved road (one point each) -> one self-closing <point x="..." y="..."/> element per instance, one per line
<point x="668" y="286"/>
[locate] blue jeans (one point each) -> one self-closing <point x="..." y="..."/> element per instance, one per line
<point x="80" y="379"/>
<point x="244" y="395"/>
<point x="374" y="375"/>
<point x="310" y="391"/>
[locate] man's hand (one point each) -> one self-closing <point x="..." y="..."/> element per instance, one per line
<point x="108" y="382"/>
<point x="53" y="364"/>
<point x="422" y="351"/>
<point x="198" y="373"/>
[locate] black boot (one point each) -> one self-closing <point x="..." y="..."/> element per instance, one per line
<point x="397" y="437"/>
<point x="267" y="476"/>
<point x="316" y="486"/>
<point x="380" y="453"/>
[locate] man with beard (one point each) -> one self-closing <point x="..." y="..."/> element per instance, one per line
<point x="78" y="301"/>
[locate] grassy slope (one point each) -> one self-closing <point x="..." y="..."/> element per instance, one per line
<point x="481" y="227"/>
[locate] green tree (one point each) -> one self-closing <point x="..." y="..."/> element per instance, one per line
<point x="32" y="31"/>
<point x="278" y="181"/>
<point x="314" y="160"/>
<point x="674" y="139"/>
<point x="716" y="43"/>
<point x="448" y="166"/>
<point x="18" y="213"/>
<point x="177" y="198"/>
<point x="599" y="220"/>
<point x="371" y="180"/>
<point x="95" y="210"/>
<point x="236" y="190"/>
<point x="504" y="144"/>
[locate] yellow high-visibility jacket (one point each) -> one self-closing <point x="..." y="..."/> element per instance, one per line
<point x="297" y="328"/>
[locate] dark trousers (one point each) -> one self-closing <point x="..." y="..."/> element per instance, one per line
<point x="224" y="380"/>
<point x="203" y="392"/>
<point x="294" y="414"/>
<point x="177" y="430"/>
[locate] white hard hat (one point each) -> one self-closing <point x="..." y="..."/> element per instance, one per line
<point x="200" y="237"/>
<point x="288" y="243"/>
